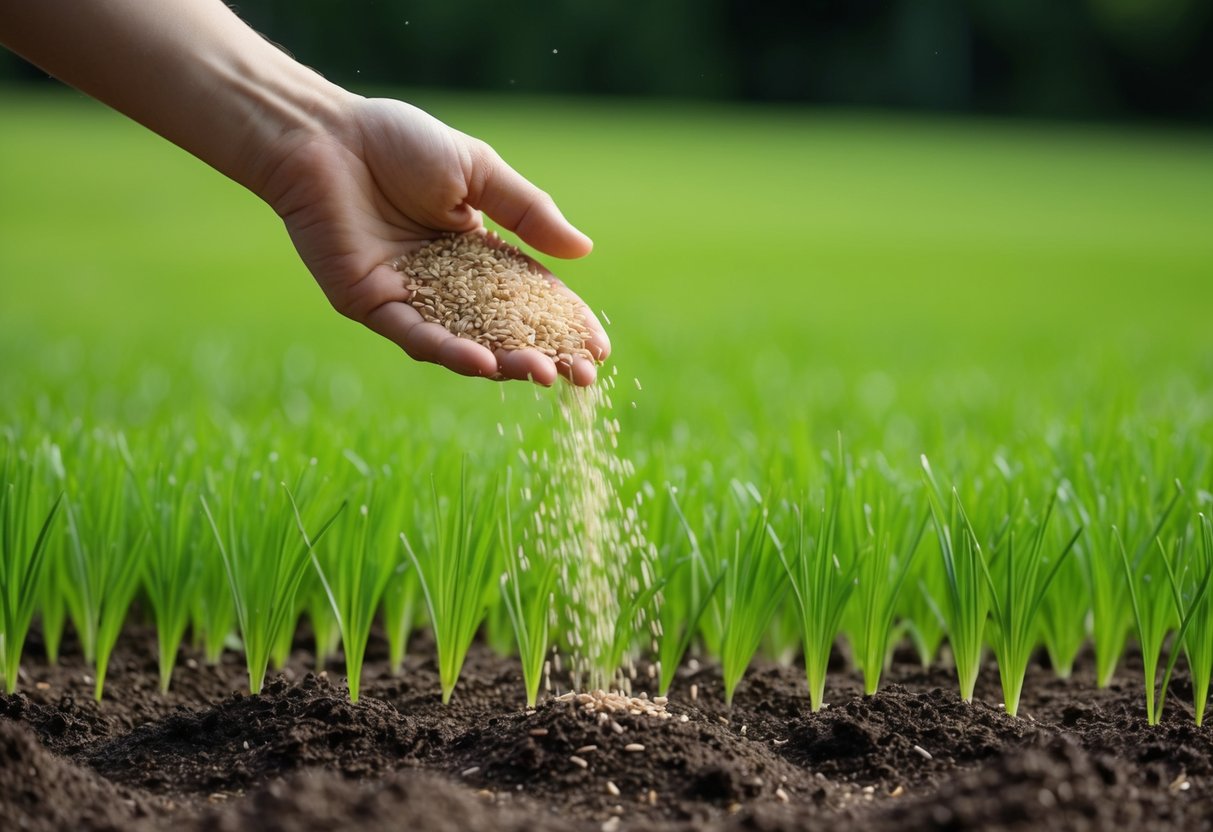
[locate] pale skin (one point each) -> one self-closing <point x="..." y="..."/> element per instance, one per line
<point x="357" y="181"/>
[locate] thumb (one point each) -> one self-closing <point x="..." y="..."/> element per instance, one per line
<point x="510" y="200"/>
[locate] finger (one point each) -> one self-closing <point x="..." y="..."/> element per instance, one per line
<point x="506" y="196"/>
<point x="466" y="357"/>
<point x="403" y="325"/>
<point x="524" y="365"/>
<point x="583" y="372"/>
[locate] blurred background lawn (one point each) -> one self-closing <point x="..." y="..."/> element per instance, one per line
<point x="766" y="267"/>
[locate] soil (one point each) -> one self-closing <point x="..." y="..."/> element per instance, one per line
<point x="300" y="756"/>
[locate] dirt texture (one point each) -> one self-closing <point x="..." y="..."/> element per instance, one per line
<point x="301" y="756"/>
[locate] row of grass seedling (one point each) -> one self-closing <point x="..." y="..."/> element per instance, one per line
<point x="235" y="553"/>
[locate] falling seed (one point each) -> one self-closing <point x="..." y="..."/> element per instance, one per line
<point x="578" y="761"/>
<point x="652" y="797"/>
<point x="612" y="789"/>
<point x="633" y="747"/>
<point x="922" y="752"/>
<point x="694" y="693"/>
<point x="468" y="772"/>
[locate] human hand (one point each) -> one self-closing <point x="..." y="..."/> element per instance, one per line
<point x="382" y="181"/>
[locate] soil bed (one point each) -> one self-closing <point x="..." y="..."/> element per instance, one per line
<point x="302" y="757"/>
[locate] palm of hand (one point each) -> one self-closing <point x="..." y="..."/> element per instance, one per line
<point x="394" y="180"/>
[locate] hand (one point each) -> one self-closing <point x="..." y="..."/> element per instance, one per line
<point x="385" y="180"/>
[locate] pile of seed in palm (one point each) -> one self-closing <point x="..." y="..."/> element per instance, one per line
<point x="480" y="288"/>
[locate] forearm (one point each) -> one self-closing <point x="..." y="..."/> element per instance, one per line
<point x="189" y="70"/>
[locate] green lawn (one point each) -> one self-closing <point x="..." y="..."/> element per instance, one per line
<point x="749" y="259"/>
<point x="1029" y="305"/>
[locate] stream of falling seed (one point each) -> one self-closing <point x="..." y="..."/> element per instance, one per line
<point x="598" y="542"/>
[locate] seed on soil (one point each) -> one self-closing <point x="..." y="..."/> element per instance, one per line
<point x="578" y="761"/>
<point x="652" y="797"/>
<point x="586" y="749"/>
<point x="694" y="693"/>
<point x="633" y="747"/>
<point x="610" y="825"/>
<point x="743" y="729"/>
<point x="539" y="732"/>
<point x="612" y="789"/>
<point x="922" y="752"/>
<point x="897" y="792"/>
<point x="468" y="772"/>
<point x="42" y="686"/>
<point x="781" y="795"/>
<point x="480" y="288"/>
<point x="613" y="702"/>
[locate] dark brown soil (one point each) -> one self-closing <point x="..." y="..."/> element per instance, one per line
<point x="300" y="756"/>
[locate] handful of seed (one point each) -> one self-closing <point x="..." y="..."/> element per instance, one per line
<point x="480" y="288"/>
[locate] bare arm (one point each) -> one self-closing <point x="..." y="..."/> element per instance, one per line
<point x="356" y="181"/>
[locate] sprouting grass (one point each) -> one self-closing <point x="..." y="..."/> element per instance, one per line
<point x="821" y="587"/>
<point x="753" y="586"/>
<point x="1018" y="578"/>
<point x="107" y="546"/>
<point x="457" y="571"/>
<point x="1197" y="604"/>
<point x="265" y="548"/>
<point x="689" y="586"/>
<point x="528" y="589"/>
<point x="760" y="324"/>
<point x="354" y="565"/>
<point x="167" y="499"/>
<point x="885" y="539"/>
<point x="1151" y="586"/>
<point x="966" y="608"/>
<point x="25" y="528"/>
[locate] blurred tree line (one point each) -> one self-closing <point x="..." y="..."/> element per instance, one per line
<point x="1070" y="58"/>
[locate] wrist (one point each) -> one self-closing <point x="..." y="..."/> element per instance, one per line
<point x="285" y="106"/>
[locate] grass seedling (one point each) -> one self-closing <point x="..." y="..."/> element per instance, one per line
<point x="354" y="567"/>
<point x="821" y="588"/>
<point x="1149" y="584"/>
<point x="1110" y="608"/>
<point x="690" y="588"/>
<point x="168" y="505"/>
<point x="265" y="549"/>
<point x="1198" y="645"/>
<point x="107" y="548"/>
<point x="402" y="605"/>
<point x="1154" y="616"/>
<point x="212" y="612"/>
<point x="456" y="574"/>
<point x="1018" y="581"/>
<point x="24" y="535"/>
<point x="753" y="587"/>
<point x="884" y="554"/>
<point x="965" y="610"/>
